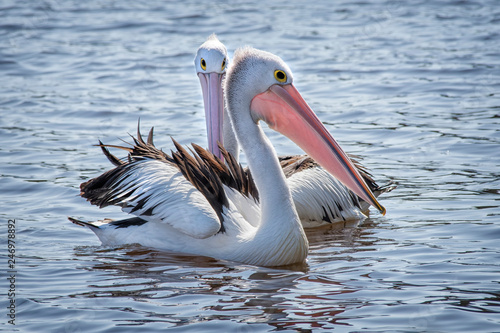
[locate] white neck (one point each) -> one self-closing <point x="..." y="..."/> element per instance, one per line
<point x="280" y="232"/>
<point x="267" y="172"/>
<point x="230" y="142"/>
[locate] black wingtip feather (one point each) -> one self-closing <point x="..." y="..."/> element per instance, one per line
<point x="82" y="223"/>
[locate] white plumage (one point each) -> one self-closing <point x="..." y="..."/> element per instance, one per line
<point x="318" y="196"/>
<point x="196" y="204"/>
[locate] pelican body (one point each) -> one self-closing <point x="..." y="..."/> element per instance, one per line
<point x="192" y="203"/>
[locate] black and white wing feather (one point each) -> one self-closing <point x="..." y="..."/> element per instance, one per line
<point x="186" y="191"/>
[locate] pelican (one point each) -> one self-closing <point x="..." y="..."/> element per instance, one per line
<point x="187" y="202"/>
<point x="318" y="196"/>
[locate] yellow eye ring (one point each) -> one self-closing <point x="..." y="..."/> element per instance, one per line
<point x="280" y="76"/>
<point x="223" y="64"/>
<point x="203" y="64"/>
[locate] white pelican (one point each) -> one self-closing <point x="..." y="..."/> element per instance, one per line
<point x="318" y="196"/>
<point x="187" y="203"/>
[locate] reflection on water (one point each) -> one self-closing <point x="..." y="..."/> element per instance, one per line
<point x="218" y="290"/>
<point x="412" y="89"/>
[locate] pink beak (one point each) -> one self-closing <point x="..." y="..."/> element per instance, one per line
<point x="284" y="110"/>
<point x="211" y="85"/>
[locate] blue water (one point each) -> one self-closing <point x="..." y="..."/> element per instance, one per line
<point x="412" y="89"/>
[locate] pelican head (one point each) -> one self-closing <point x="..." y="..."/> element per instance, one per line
<point x="211" y="62"/>
<point x="262" y="83"/>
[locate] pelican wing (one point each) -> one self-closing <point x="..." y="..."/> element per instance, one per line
<point x="313" y="187"/>
<point x="186" y="191"/>
<point x="239" y="186"/>
<point x="155" y="191"/>
<point x="318" y="196"/>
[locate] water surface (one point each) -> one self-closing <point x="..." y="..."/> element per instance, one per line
<point x="413" y="90"/>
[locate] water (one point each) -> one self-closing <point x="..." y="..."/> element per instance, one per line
<point x="414" y="90"/>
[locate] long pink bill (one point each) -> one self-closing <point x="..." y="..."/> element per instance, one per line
<point x="214" y="108"/>
<point x="284" y="110"/>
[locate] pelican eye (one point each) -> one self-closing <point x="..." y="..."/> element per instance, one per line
<point x="203" y="64"/>
<point x="280" y="76"/>
<point x="223" y="66"/>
